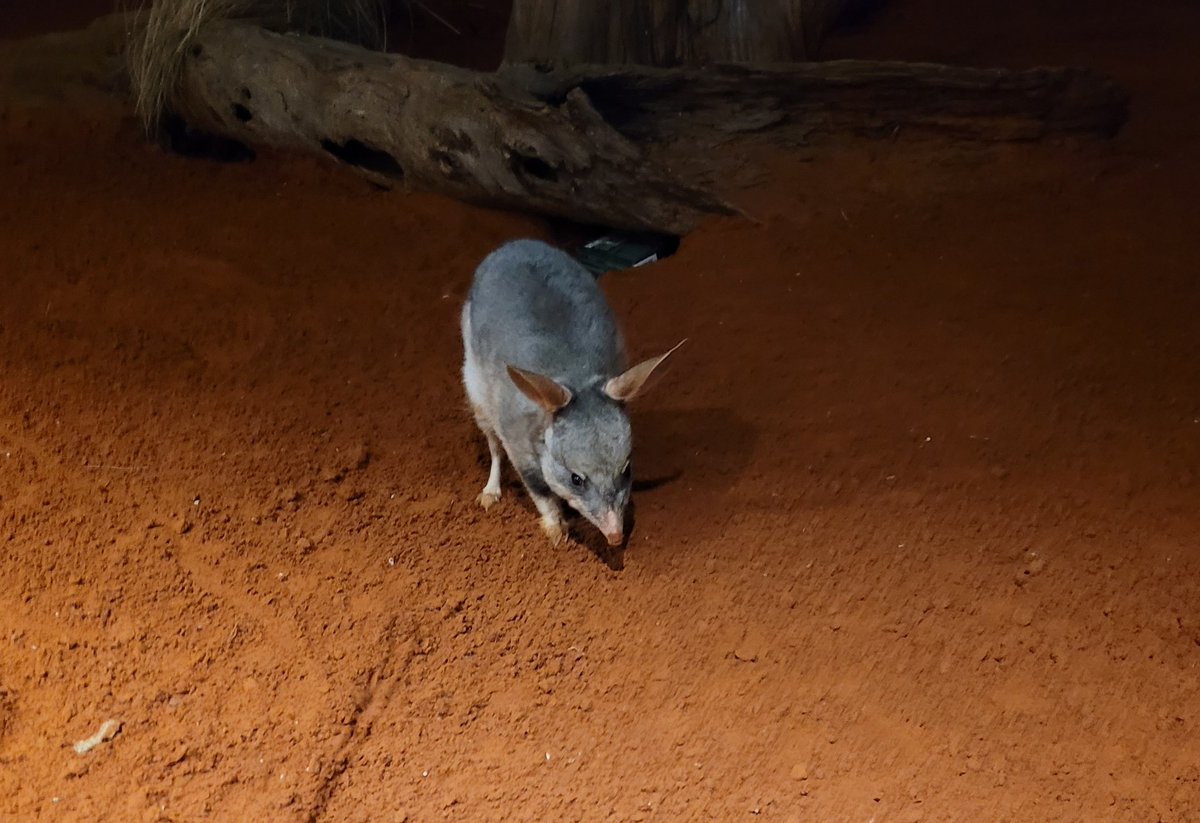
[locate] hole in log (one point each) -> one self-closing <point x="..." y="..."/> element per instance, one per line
<point x="532" y="166"/>
<point x="357" y="153"/>
<point x="181" y="138"/>
<point x="447" y="162"/>
<point x="242" y="113"/>
<point x="451" y="149"/>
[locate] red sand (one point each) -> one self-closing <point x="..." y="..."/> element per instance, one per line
<point x="924" y="545"/>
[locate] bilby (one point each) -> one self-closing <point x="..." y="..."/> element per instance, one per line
<point x="545" y="372"/>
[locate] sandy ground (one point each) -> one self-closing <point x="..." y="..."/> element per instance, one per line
<point x="917" y="541"/>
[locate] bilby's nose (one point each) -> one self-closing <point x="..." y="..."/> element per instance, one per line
<point x="613" y="528"/>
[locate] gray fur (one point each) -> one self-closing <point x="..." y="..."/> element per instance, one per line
<point x="536" y="308"/>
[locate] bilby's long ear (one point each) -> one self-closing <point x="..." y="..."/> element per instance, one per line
<point x="626" y="386"/>
<point x="547" y="393"/>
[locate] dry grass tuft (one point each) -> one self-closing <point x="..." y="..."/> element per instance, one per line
<point x="160" y="36"/>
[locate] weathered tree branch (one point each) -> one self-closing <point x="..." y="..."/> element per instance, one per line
<point x="840" y="97"/>
<point x="566" y="143"/>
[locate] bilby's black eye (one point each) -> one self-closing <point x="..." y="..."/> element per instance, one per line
<point x="577" y="481"/>
<point x="626" y="470"/>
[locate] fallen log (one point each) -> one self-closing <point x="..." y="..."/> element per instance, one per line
<point x="431" y="126"/>
<point x="862" y="97"/>
<point x="567" y="142"/>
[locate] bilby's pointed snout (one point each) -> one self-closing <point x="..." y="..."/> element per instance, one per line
<point x="613" y="526"/>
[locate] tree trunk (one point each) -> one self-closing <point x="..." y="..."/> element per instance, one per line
<point x="668" y="32"/>
<point x="570" y="143"/>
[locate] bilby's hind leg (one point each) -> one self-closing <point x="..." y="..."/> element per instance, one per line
<point x="491" y="492"/>
<point x="475" y="383"/>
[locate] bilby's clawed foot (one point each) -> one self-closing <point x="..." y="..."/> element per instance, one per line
<point x="491" y="492"/>
<point x="554" y="529"/>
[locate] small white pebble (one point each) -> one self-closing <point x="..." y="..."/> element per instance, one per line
<point x="547" y="757"/>
<point x="425" y="773"/>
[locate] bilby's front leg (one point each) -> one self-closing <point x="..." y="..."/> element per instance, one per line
<point x="547" y="503"/>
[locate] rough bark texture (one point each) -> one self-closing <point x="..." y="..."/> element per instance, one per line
<point x="568" y="143"/>
<point x="669" y="32"/>
<point x="841" y="96"/>
<point x="465" y="134"/>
